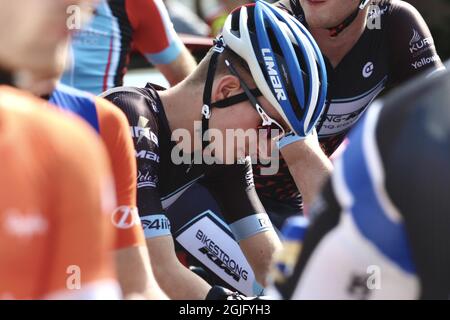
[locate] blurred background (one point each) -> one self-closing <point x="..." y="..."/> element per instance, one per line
<point x="198" y="20"/>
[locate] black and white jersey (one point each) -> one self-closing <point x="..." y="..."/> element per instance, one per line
<point x="162" y="180"/>
<point x="396" y="46"/>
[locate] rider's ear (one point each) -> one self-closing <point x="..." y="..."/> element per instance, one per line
<point x="225" y="87"/>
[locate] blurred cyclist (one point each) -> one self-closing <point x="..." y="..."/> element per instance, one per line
<point x="56" y="197"/>
<point x="133" y="268"/>
<point x="132" y="261"/>
<point x="380" y="229"/>
<point x="101" y="50"/>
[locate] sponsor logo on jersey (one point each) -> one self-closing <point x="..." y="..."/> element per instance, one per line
<point x="146" y="179"/>
<point x="337" y="123"/>
<point x="368" y="69"/>
<point x="159" y="223"/>
<point x="142" y="131"/>
<point x="148" y="155"/>
<point x="25" y="225"/>
<point x="219" y="257"/>
<point x="125" y="217"/>
<point x="424" y="61"/>
<point x="264" y="222"/>
<point x="415" y="38"/>
<point x="210" y="241"/>
<point x="273" y="75"/>
<point x="418" y="44"/>
<point x="338" y="118"/>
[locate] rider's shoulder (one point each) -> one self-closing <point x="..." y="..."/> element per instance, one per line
<point x="400" y="12"/>
<point x="139" y="99"/>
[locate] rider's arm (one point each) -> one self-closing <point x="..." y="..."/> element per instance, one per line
<point x="308" y="165"/>
<point x="156" y="39"/>
<point x="135" y="274"/>
<point x="411" y="45"/>
<point x="175" y="279"/>
<point x="233" y="188"/>
<point x="133" y="266"/>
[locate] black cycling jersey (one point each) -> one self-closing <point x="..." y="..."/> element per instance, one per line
<point x="197" y="199"/>
<point x="395" y="46"/>
<point x="386" y="208"/>
<point x="161" y="182"/>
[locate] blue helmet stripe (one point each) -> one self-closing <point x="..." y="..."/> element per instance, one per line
<point x="321" y="66"/>
<point x="296" y="78"/>
<point x="264" y="43"/>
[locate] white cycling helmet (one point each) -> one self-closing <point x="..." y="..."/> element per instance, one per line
<point x="284" y="60"/>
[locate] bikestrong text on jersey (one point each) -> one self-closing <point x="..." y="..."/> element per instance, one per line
<point x="273" y="74"/>
<point x="220" y="257"/>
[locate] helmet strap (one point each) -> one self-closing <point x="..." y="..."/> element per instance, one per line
<point x="335" y="31"/>
<point x="241" y="97"/>
<point x="219" y="47"/>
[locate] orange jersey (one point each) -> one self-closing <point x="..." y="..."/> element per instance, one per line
<point x="112" y="126"/>
<point x="56" y="196"/>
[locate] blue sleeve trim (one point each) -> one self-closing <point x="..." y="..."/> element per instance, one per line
<point x="168" y="55"/>
<point x="154" y="226"/>
<point x="288" y="140"/>
<point x="250" y="226"/>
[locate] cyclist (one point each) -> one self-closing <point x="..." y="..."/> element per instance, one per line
<point x="369" y="47"/>
<point x="54" y="199"/>
<point x="224" y="80"/>
<point x="380" y="229"/>
<point x="132" y="262"/>
<point x="100" y="50"/>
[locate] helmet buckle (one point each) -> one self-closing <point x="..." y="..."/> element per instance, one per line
<point x="206" y="111"/>
<point x="363" y="4"/>
<point x="219" y="45"/>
